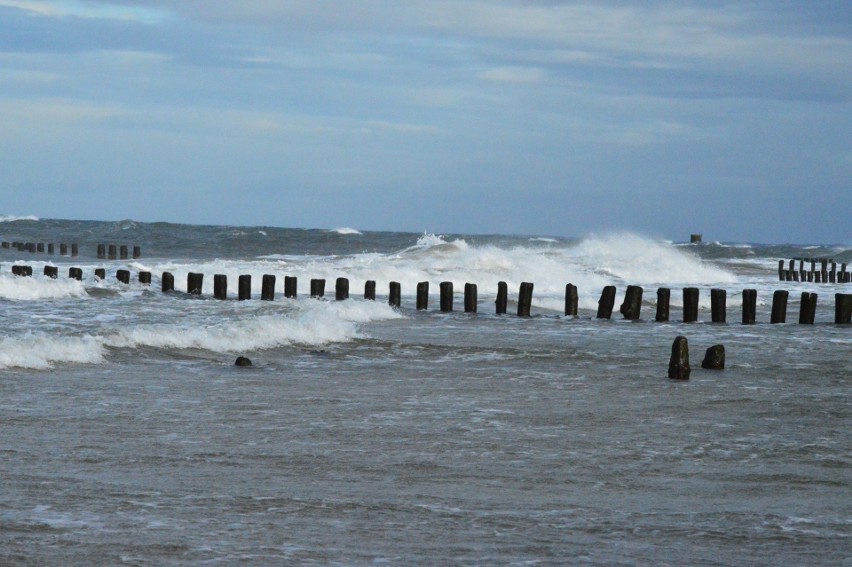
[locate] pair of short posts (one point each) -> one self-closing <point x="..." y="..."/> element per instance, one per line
<point x="679" y="369"/>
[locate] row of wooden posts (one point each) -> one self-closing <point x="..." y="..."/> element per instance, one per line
<point x="41" y="248"/>
<point x="630" y="307"/>
<point x="827" y="272"/>
<point x="117" y="252"/>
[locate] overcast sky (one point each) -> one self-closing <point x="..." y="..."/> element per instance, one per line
<point x="491" y="116"/>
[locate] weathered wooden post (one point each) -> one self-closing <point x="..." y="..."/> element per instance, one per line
<point x="220" y="286"/>
<point x="632" y="303"/>
<point x="718" y="305"/>
<point x="40" y="247"/>
<point x="470" y="298"/>
<point x="807" y="308"/>
<point x="422" y="296"/>
<point x="749" y="306"/>
<point x="74" y="250"/>
<point x="781" y="271"/>
<point x="370" y="290"/>
<point x="51" y="271"/>
<point x="690" y="304"/>
<point x="571" y="300"/>
<point x="194" y="283"/>
<point x="63" y="249"/>
<point x="395" y="294"/>
<point x="5" y="244"/>
<point x="244" y="287"/>
<point x="714" y="358"/>
<point x="50" y="249"/>
<point x="145" y="278"/>
<point x="341" y="289"/>
<point x="663" y="298"/>
<point x="122" y="252"/>
<point x="779" y="306"/>
<point x="844" y="272"/>
<point x="123" y="276"/>
<point x="290" y="284"/>
<point x="267" y="288"/>
<point x="101" y="252"/>
<point x="606" y="302"/>
<point x="843" y="308"/>
<point x="75" y="274"/>
<point x="111" y="252"/>
<point x="317" y="288"/>
<point x="446" y="289"/>
<point x="168" y="282"/>
<point x="137" y="252"/>
<point x="832" y="275"/>
<point x="525" y="294"/>
<point x="502" y="301"/>
<point x="791" y="273"/>
<point x="100" y="274"/>
<point x="679" y="362"/>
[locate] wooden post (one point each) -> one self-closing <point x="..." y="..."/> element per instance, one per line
<point x="446" y="296"/>
<point x="781" y="271"/>
<point x="632" y="303"/>
<point x="290" y="284"/>
<point x="395" y="294"/>
<point x="502" y="301"/>
<point x="690" y="304"/>
<point x="40" y="247"/>
<point x="779" y="306"/>
<point x="749" y="306"/>
<point x="123" y="276"/>
<point x="168" y="282"/>
<point x="571" y="300"/>
<point x="422" y="296"/>
<point x="111" y="252"/>
<point x="470" y="298"/>
<point x="244" y="287"/>
<point x="63" y="249"/>
<point x="807" y="308"/>
<point x="606" y="302"/>
<point x="145" y="278"/>
<point x="137" y="252"/>
<point x="267" y="288"/>
<point x="832" y="275"/>
<point x="76" y="274"/>
<point x="5" y="244"/>
<point x="663" y="296"/>
<point x="50" y="249"/>
<point x="122" y="252"/>
<point x="100" y="274"/>
<point x="317" y="288"/>
<point x="194" y="283"/>
<point x="525" y="294"/>
<point x="679" y="362"/>
<point x="51" y="271"/>
<point x="341" y="289"/>
<point x="843" y="308"/>
<point x="220" y="286"/>
<point x="101" y="252"/>
<point x="718" y="305"/>
<point x="370" y="290"/>
<point x="74" y="250"/>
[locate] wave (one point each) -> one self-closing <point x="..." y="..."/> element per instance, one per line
<point x="32" y="288"/>
<point x="345" y="230"/>
<point x="40" y="351"/>
<point x="12" y="218"/>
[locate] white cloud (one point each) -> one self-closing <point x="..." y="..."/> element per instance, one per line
<point x="519" y="75"/>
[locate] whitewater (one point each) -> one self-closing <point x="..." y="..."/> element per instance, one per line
<point x="365" y="433"/>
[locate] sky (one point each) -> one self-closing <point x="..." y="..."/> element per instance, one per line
<point x="539" y="117"/>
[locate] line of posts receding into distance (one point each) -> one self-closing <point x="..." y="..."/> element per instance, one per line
<point x="826" y="272"/>
<point x="630" y="308"/>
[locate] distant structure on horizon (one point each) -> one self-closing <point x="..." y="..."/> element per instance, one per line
<point x="695" y="238"/>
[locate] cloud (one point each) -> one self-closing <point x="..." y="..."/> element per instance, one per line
<point x="512" y="75"/>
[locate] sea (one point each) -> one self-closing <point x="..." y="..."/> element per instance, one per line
<point x="365" y="434"/>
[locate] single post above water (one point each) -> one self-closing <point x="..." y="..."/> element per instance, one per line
<point x="220" y="286"/>
<point x="502" y="301"/>
<point x="679" y="362"/>
<point x="606" y="302"/>
<point x="807" y="308"/>
<point x="123" y="276"/>
<point x="718" y="300"/>
<point x="341" y="289"/>
<point x="317" y="288"/>
<point x="267" y="289"/>
<point x="571" y="300"/>
<point x="525" y="299"/>
<point x="446" y="296"/>
<point x="779" y="306"/>
<point x="145" y="278"/>
<point x="749" y="306"/>
<point x="632" y="303"/>
<point x="470" y="298"/>
<point x="663" y="299"/>
<point x="168" y="282"/>
<point x="290" y="283"/>
<point x="370" y="290"/>
<point x="843" y="308"/>
<point x="690" y="304"/>
<point x="194" y="283"/>
<point x="395" y="294"/>
<point x="422" y="296"/>
<point x="244" y="287"/>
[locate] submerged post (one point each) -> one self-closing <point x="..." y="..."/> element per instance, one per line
<point x="370" y="290"/>
<point x="718" y="301"/>
<point x="123" y="276"/>
<point x="100" y="274"/>
<point x="51" y="271"/>
<point x="145" y="278"/>
<point x="571" y="300"/>
<point x="75" y="274"/>
<point x="168" y="281"/>
<point x="395" y="294"/>
<point x="446" y="296"/>
<point x="807" y="308"/>
<point x="244" y="287"/>
<point x="502" y="300"/>
<point x="267" y="288"/>
<point x="290" y="283"/>
<point x="663" y="298"/>
<point x="422" y="296"/>
<point x="632" y="303"/>
<point x="843" y="308"/>
<point x="679" y="362"/>
<point x="690" y="304"/>
<point x="470" y="298"/>
<point x="525" y="299"/>
<point x="193" y="283"/>
<point x="606" y="302"/>
<point x="779" y="306"/>
<point x="317" y="288"/>
<point x="749" y="306"/>
<point x="220" y="286"/>
<point x="341" y="289"/>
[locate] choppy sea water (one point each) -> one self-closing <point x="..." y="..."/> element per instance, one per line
<point x="365" y="434"/>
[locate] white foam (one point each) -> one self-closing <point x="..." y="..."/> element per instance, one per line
<point x="12" y="218"/>
<point x="33" y="288"/>
<point x="40" y="351"/>
<point x="345" y="230"/>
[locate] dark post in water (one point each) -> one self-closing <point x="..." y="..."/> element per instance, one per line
<point x="137" y="252"/>
<point x="690" y="304"/>
<point x="395" y="294"/>
<point x="193" y="283"/>
<point x="571" y="300"/>
<point x="51" y="271"/>
<point x="290" y="283"/>
<point x="100" y="274"/>
<point x="446" y="296"/>
<point x="718" y="305"/>
<point x="145" y="278"/>
<point x="843" y="308"/>
<point x="267" y="288"/>
<point x="525" y="299"/>
<point x="122" y="252"/>
<point x="370" y="290"/>
<point x="807" y="309"/>
<point x="502" y="301"/>
<point x="749" y="306"/>
<point x="606" y="302"/>
<point x="779" y="306"/>
<point x="168" y="282"/>
<point x="317" y="288"/>
<point x="220" y="286"/>
<point x="664" y="295"/>
<point x="679" y="362"/>
<point x="632" y="303"/>
<point x="422" y="296"/>
<point x="470" y="298"/>
<point x="244" y="287"/>
<point x="341" y="289"/>
<point x="123" y="276"/>
<point x="75" y="274"/>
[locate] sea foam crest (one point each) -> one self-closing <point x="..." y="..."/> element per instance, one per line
<point x="13" y="218"/>
<point x="20" y="288"/>
<point x="41" y="351"/>
<point x="345" y="230"/>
